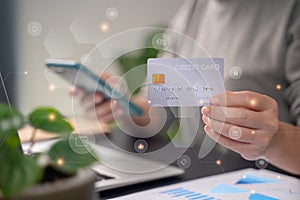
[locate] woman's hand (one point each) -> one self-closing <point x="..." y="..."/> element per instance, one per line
<point x="107" y="110"/>
<point x="96" y="105"/>
<point x="245" y="122"/>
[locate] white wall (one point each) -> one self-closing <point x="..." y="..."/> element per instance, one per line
<point x="58" y="19"/>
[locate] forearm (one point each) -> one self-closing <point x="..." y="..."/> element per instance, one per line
<point x="284" y="149"/>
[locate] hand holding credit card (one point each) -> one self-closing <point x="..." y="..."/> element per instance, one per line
<point x="184" y="82"/>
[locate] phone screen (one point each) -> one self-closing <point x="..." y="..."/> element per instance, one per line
<point x="83" y="78"/>
<point x="78" y="78"/>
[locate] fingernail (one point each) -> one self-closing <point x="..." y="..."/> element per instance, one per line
<point x="206" y="128"/>
<point x="205" y="110"/>
<point x="205" y="119"/>
<point x="215" y="101"/>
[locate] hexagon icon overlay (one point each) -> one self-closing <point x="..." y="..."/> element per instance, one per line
<point x="85" y="30"/>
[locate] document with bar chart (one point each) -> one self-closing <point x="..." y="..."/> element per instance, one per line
<point x="246" y="184"/>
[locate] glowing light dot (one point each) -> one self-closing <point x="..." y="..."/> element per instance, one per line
<point x="104" y="27"/>
<point x="26" y="72"/>
<point x="278" y="87"/>
<point x="253" y="102"/>
<point x="201" y="102"/>
<point x="278" y="177"/>
<point x="218" y="162"/>
<point x="149" y="102"/>
<point x="141" y="146"/>
<point x="51" y="87"/>
<point x="252" y="191"/>
<point x="60" y="161"/>
<point x="114" y="102"/>
<point x="252" y="132"/>
<point x="51" y="117"/>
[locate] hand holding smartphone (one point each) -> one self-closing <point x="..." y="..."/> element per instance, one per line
<point x="81" y="77"/>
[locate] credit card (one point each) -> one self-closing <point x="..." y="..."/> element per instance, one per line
<point x="182" y="82"/>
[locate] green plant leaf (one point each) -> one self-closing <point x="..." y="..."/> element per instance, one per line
<point x="137" y="60"/>
<point x="10" y="119"/>
<point x="11" y="140"/>
<point x="18" y="172"/>
<point x="49" y="119"/>
<point x="69" y="155"/>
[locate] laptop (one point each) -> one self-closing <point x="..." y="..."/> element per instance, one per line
<point x="119" y="168"/>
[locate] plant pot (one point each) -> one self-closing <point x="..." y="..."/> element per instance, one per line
<point x="80" y="186"/>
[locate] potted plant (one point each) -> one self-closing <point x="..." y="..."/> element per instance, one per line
<point x="59" y="173"/>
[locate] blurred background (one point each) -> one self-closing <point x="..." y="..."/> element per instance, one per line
<point x="34" y="30"/>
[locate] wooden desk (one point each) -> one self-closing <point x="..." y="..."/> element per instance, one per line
<point x="81" y="125"/>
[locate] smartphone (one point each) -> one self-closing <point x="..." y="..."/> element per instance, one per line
<point x="81" y="77"/>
